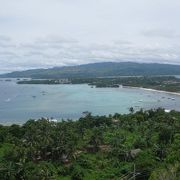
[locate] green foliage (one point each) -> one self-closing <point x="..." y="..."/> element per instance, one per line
<point x="99" y="70"/>
<point x="169" y="172"/>
<point x="77" y="172"/>
<point x="94" y="147"/>
<point x="145" y="163"/>
<point x="42" y="170"/>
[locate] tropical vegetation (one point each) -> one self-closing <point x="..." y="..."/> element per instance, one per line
<point x="139" y="145"/>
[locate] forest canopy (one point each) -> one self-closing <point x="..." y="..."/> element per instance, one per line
<point x="139" y="145"/>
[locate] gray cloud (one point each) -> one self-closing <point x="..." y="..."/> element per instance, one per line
<point x="45" y="54"/>
<point x="80" y="53"/>
<point x="70" y="32"/>
<point x="162" y="33"/>
<point x="4" y="38"/>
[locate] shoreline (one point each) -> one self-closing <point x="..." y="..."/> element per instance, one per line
<point x="153" y="90"/>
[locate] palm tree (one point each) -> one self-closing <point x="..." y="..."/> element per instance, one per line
<point x="96" y="139"/>
<point x="118" y="149"/>
<point x="131" y="110"/>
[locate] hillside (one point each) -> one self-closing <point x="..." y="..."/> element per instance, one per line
<point x="99" y="70"/>
<point x="141" y="145"/>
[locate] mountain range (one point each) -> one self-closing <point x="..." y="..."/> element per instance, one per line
<point x="104" y="69"/>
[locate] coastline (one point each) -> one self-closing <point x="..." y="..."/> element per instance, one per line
<point x="153" y="90"/>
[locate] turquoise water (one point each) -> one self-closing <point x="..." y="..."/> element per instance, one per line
<point x="18" y="103"/>
<point x="177" y="76"/>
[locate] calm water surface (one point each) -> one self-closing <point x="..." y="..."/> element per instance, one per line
<point x="18" y="103"/>
<point x="177" y="76"/>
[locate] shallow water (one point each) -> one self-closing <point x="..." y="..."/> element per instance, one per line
<point x="18" y="103"/>
<point x="177" y="76"/>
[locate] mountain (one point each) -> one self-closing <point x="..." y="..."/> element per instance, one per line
<point x="99" y="70"/>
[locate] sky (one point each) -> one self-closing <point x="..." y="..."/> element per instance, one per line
<point x="48" y="33"/>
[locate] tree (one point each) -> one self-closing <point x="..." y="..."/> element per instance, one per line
<point x="118" y="149"/>
<point x="131" y="110"/>
<point x="169" y="172"/>
<point x="77" y="172"/>
<point x="165" y="135"/>
<point x="96" y="138"/>
<point x="145" y="163"/>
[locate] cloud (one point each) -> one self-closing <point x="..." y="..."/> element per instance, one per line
<point x="162" y="33"/>
<point x="47" y="33"/>
<point x="49" y="52"/>
<point x="4" y="38"/>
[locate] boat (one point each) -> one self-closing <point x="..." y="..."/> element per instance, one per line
<point x="43" y="93"/>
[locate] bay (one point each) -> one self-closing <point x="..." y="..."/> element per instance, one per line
<point x="18" y="103"/>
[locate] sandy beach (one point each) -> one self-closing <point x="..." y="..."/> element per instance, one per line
<point x="153" y="90"/>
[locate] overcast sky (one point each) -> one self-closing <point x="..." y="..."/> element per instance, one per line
<point x="47" y="33"/>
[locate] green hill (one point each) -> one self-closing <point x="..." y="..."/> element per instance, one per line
<point x="99" y="70"/>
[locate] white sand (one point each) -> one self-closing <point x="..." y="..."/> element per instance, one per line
<point x="154" y="90"/>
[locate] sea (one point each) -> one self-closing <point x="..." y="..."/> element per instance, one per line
<point x="19" y="103"/>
